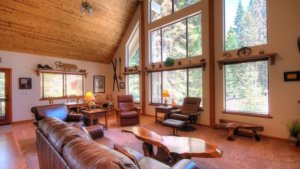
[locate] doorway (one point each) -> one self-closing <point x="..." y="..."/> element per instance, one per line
<point x="5" y="96"/>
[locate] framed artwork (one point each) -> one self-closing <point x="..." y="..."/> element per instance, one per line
<point x="25" y="83"/>
<point x="122" y="85"/>
<point x="99" y="84"/>
<point x="292" y="76"/>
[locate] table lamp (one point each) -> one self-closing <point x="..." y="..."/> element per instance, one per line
<point x="166" y="95"/>
<point x="89" y="98"/>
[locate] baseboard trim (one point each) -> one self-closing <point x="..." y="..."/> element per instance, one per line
<point x="22" y="121"/>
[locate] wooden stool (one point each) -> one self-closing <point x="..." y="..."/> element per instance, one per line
<point x="234" y="126"/>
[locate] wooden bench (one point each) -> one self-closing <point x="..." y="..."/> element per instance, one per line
<point x="234" y="126"/>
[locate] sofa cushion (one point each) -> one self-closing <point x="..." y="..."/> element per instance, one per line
<point x="129" y="114"/>
<point x="150" y="163"/>
<point x="90" y="155"/>
<point x="47" y="124"/>
<point x="60" y="133"/>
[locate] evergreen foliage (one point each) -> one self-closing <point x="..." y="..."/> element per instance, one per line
<point x="249" y="27"/>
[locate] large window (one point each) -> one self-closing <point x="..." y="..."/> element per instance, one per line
<point x="246" y="87"/>
<point x="133" y="49"/>
<point x="133" y="59"/>
<point x="61" y="85"/>
<point x="245" y="23"/>
<point x="162" y="8"/>
<point x="133" y="87"/>
<point x="178" y="40"/>
<point x="180" y="83"/>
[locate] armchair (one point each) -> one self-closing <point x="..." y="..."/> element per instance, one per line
<point x="189" y="111"/>
<point x="59" y="111"/>
<point x="127" y="113"/>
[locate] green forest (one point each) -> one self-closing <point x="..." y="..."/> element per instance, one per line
<point x="249" y="27"/>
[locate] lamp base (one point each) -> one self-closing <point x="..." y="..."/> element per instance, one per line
<point x="166" y="102"/>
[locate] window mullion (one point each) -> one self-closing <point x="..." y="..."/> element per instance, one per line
<point x="186" y="38"/>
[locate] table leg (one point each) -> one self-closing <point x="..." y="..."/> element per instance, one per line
<point x="106" y="120"/>
<point x="91" y="121"/>
<point x="155" y="116"/>
<point x="148" y="150"/>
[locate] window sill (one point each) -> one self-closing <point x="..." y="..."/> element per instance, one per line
<point x="248" y="114"/>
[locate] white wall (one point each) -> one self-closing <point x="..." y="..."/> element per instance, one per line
<point x="24" y="65"/>
<point x="283" y="31"/>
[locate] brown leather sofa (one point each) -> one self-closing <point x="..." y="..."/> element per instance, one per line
<point x="61" y="145"/>
<point x="55" y="110"/>
<point x="127" y="112"/>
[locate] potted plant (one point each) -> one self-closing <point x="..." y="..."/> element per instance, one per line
<point x="294" y="129"/>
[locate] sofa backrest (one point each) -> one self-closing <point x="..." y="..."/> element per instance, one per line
<point x="87" y="154"/>
<point x="59" y="133"/>
<point x="54" y="110"/>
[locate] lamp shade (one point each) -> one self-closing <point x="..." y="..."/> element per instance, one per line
<point x="89" y="97"/>
<point x="166" y="93"/>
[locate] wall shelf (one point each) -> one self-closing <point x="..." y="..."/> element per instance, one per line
<point x="194" y="65"/>
<point x="269" y="56"/>
<point x="39" y="71"/>
<point x="132" y="72"/>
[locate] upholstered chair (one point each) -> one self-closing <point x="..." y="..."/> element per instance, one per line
<point x="127" y="113"/>
<point x="189" y="112"/>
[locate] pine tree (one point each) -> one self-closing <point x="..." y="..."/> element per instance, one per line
<point x="238" y="25"/>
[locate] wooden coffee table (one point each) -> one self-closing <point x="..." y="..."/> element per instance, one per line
<point x="95" y="114"/>
<point x="170" y="149"/>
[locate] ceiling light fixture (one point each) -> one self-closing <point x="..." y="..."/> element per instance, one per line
<point x="86" y="7"/>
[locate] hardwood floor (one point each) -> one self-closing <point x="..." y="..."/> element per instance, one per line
<point x="18" y="151"/>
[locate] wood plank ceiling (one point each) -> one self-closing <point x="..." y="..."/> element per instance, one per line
<point x="58" y="28"/>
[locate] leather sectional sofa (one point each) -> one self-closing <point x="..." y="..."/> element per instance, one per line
<point x="61" y="145"/>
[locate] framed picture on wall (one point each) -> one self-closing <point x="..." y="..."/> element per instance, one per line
<point x="122" y="85"/>
<point x="99" y="84"/>
<point x="25" y="83"/>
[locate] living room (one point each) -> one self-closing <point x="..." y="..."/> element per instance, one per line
<point x="200" y="37"/>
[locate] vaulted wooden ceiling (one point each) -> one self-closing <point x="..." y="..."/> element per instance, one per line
<point x="58" y="28"/>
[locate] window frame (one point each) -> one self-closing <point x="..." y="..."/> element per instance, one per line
<point x="64" y="79"/>
<point x="185" y="19"/>
<point x="127" y="86"/>
<point x="187" y="83"/>
<point x="172" y="11"/>
<point x="135" y="29"/>
<point x="246" y="113"/>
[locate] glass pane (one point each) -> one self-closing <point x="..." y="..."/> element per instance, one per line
<point x="246" y="87"/>
<point x="2" y="94"/>
<point x="134" y="86"/>
<point x="195" y="83"/>
<point x="179" y="4"/>
<point x="176" y="83"/>
<point x="245" y="23"/>
<point x="174" y="40"/>
<point x="155" y="46"/>
<point x="133" y="50"/>
<point x="74" y="85"/>
<point x="194" y="36"/>
<point x="160" y="8"/>
<point x="53" y="85"/>
<point x="156" y="87"/>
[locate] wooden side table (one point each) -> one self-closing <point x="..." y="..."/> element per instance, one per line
<point x="95" y="114"/>
<point x="163" y="109"/>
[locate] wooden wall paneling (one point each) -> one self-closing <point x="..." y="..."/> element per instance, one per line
<point x="57" y="27"/>
<point x="143" y="58"/>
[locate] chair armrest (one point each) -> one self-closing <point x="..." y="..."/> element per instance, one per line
<point x="195" y="114"/>
<point x="95" y="131"/>
<point x="185" y="164"/>
<point x="75" y="117"/>
<point x="176" y="111"/>
<point x="138" y="109"/>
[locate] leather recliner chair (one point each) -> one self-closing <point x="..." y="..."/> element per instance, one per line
<point x="189" y="112"/>
<point x="127" y="112"/>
